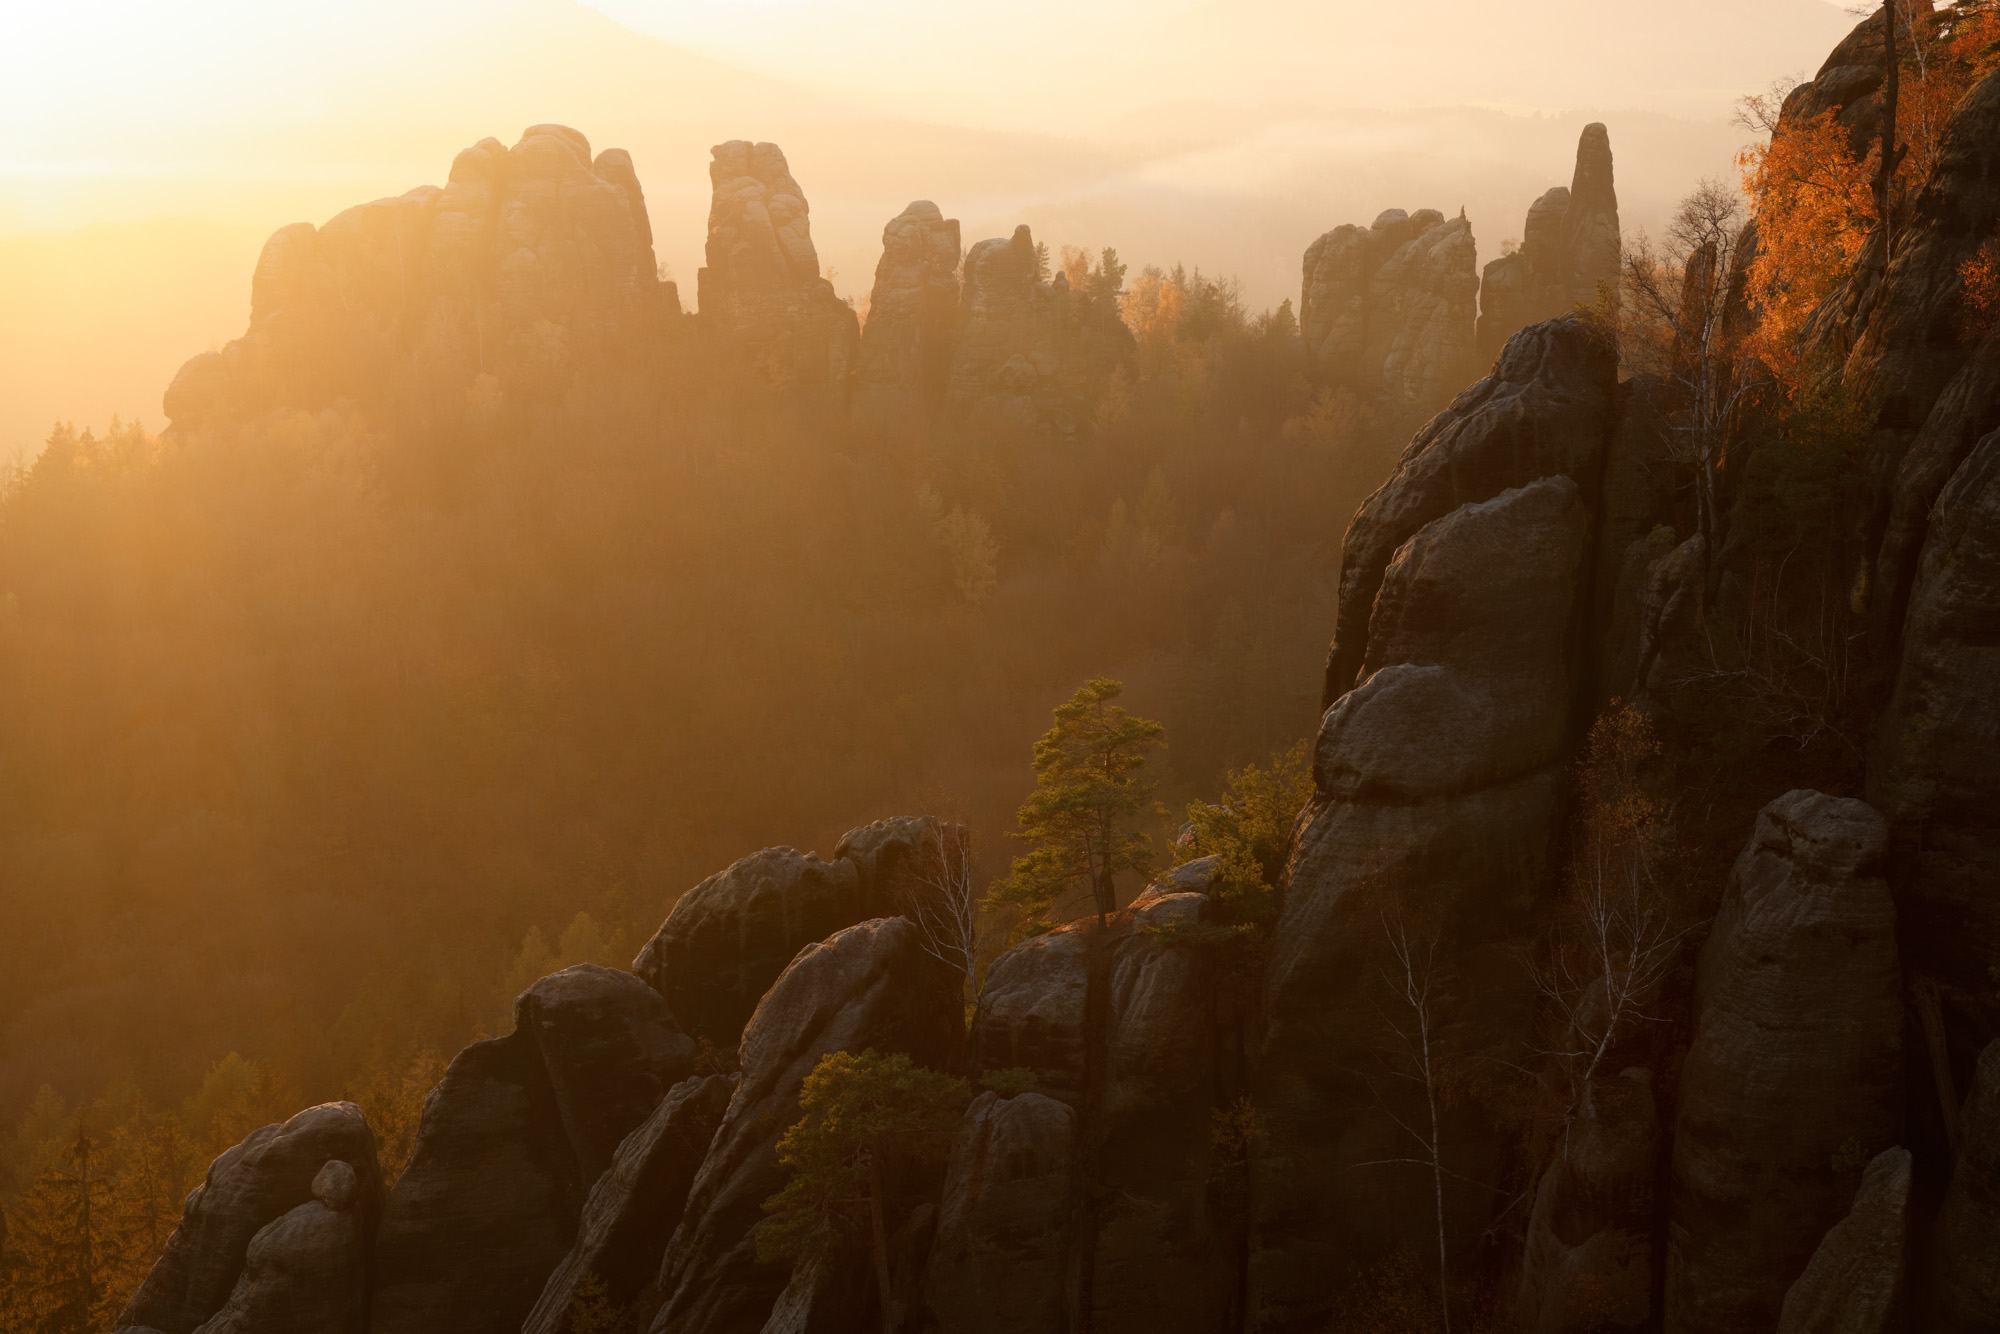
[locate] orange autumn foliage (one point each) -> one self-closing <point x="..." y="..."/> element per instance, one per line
<point x="1813" y="197"/>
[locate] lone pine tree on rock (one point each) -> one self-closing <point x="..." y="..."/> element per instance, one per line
<point x="1087" y="797"/>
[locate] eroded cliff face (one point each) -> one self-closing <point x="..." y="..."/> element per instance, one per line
<point x="761" y="289"/>
<point x="907" y="344"/>
<point x="1388" y="310"/>
<point x="529" y="262"/>
<point x="1569" y="246"/>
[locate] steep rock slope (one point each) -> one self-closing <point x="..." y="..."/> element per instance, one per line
<point x="1797" y="1052"/>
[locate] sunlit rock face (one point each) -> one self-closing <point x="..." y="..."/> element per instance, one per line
<point x="528" y="263"/>
<point x="1569" y="247"/>
<point x="1031" y="352"/>
<point x="907" y="344"/>
<point x="1388" y="310"/>
<point x="761" y="288"/>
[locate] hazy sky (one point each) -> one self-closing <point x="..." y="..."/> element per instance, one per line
<point x="1226" y="133"/>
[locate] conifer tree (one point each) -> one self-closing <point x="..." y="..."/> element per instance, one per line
<point x="1086" y="800"/>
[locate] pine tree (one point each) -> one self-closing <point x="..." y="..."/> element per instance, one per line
<point x="862" y="1113"/>
<point x="61" y="1245"/>
<point x="1085" y="801"/>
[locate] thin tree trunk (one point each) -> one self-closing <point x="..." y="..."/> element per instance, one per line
<point x="1889" y="157"/>
<point x="1437" y="1178"/>
<point x="881" y="1240"/>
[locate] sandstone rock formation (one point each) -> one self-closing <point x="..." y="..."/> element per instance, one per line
<point x="1854" y="1283"/>
<point x="1001" y="1260"/>
<point x="511" y="1142"/>
<point x="1569" y="244"/>
<point x="1437" y="775"/>
<point x="727" y="939"/>
<point x="308" y="1271"/>
<point x="1587" y="1264"/>
<point x="529" y="262"/>
<point x="1031" y="352"/>
<point x="907" y="344"/>
<point x="1797" y="1060"/>
<point x="633" y="1209"/>
<point x="1388" y="311"/>
<point x="254" y="1187"/>
<point x="1127" y="1026"/>
<point x="1936" y="768"/>
<point x="761" y="288"/>
<point x="1965" y="1263"/>
<point x="869" y="986"/>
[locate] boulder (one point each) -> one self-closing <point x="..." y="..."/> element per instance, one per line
<point x="633" y="1209"/>
<point x="1796" y="1062"/>
<point x="510" y="1145"/>
<point x="528" y="263"/>
<point x="307" y="1272"/>
<point x="761" y="288"/>
<point x="247" y="1190"/>
<point x="1001" y="1260"/>
<point x="1388" y="311"/>
<point x="906" y="346"/>
<point x="1031" y="352"/>
<point x="871" y="986"/>
<point x="1570" y="244"/>
<point x="1587" y="1263"/>
<point x="1854" y="1282"/>
<point x="1965" y="1262"/>
<point x="727" y="939"/>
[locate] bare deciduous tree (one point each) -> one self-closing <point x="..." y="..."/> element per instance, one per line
<point x="1619" y="932"/>
<point x="941" y="898"/>
<point x="1679" y="288"/>
<point x="1410" y="975"/>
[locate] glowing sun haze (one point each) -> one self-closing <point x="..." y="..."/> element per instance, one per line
<point x="1224" y="133"/>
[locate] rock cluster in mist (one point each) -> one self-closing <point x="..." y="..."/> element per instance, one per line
<point x="1387" y="310"/>
<point x="1569" y="246"/>
<point x="526" y="262"/>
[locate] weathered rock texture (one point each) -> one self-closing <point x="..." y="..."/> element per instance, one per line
<point x="528" y="263"/>
<point x="869" y="986"/>
<point x="1031" y="352"/>
<point x="1796" y="1061"/>
<point x="306" y="1273"/>
<point x="906" y="346"/>
<point x="1452" y="686"/>
<point x="727" y="939"/>
<point x="1569" y="244"/>
<point x="1587" y="1264"/>
<point x="1966" y="1247"/>
<point x="1854" y="1283"/>
<point x="761" y="288"/>
<point x="510" y="1144"/>
<point x="1129" y="1026"/>
<point x="633" y="1209"/>
<point x="1388" y="311"/>
<point x="249" y="1190"/>
<point x="1001" y="1261"/>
